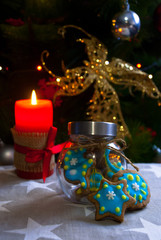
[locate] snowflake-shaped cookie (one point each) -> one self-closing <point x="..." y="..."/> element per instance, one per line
<point x="111" y="200"/>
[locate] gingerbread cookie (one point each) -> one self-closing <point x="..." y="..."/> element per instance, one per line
<point x="77" y="168"/>
<point x="137" y="187"/>
<point x="111" y="200"/>
<point x="95" y="180"/>
<point x="94" y="183"/>
<point x="113" y="165"/>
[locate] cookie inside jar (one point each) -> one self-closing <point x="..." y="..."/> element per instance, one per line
<point x="87" y="158"/>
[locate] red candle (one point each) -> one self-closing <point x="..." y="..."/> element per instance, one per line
<point x="32" y="115"/>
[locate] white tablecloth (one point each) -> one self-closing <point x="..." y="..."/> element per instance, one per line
<point x="30" y="210"/>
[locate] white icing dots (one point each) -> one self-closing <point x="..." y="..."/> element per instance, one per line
<point x="110" y="195"/>
<point x="73" y="172"/>
<point x="135" y="186"/>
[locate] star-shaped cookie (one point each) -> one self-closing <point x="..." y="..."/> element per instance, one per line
<point x="111" y="200"/>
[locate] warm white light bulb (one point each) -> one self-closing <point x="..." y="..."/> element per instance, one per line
<point x="150" y="76"/>
<point x="106" y="62"/>
<point x="33" y="98"/>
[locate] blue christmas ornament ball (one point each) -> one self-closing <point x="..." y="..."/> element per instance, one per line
<point x="126" y="25"/>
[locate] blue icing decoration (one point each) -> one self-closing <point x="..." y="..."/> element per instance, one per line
<point x="112" y="168"/>
<point x="111" y="198"/>
<point x="97" y="185"/>
<point x="110" y="174"/>
<point x="76" y="166"/>
<point x="95" y="180"/>
<point x="136" y="186"/>
<point x="119" y="164"/>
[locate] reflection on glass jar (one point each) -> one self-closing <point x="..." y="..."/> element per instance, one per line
<point x="91" y="154"/>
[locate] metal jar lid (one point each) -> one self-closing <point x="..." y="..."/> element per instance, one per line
<point x="91" y="128"/>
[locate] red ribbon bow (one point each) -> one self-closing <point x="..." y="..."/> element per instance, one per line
<point x="35" y="155"/>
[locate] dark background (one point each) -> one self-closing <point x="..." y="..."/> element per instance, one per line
<point x="29" y="27"/>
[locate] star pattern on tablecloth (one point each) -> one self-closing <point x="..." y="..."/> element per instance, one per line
<point x="2" y="169"/>
<point x="152" y="230"/>
<point x="34" y="231"/>
<point x="32" y="185"/>
<point x="155" y="169"/>
<point x="4" y="209"/>
<point x="9" y="170"/>
<point x="88" y="209"/>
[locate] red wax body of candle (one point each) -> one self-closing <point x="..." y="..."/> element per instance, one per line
<point x="33" y="118"/>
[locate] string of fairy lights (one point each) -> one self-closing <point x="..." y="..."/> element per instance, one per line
<point x="40" y="68"/>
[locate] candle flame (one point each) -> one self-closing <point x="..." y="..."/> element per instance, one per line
<point x="33" y="98"/>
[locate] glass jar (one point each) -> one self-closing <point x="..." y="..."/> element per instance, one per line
<point x="88" y="157"/>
